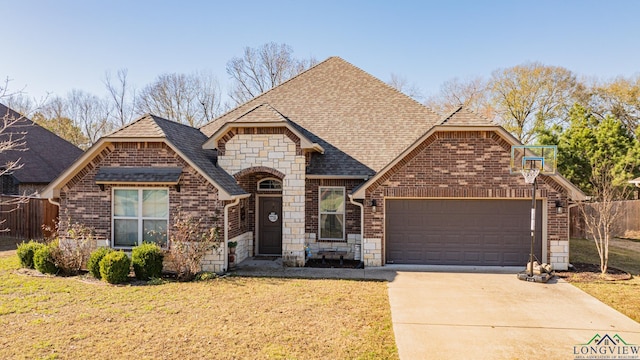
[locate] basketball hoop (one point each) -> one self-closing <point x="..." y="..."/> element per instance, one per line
<point x="530" y="175"/>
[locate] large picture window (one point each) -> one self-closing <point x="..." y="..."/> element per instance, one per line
<point x="140" y="215"/>
<point x="331" y="213"/>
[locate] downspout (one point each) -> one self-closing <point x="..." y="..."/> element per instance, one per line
<point x="361" y="229"/>
<point x="53" y="202"/>
<point x="235" y="202"/>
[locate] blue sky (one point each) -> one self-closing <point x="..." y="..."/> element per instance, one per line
<point x="56" y="46"/>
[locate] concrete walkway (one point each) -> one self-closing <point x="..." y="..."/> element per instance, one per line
<point x="496" y="316"/>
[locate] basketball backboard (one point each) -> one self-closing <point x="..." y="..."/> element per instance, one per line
<point x="534" y="157"/>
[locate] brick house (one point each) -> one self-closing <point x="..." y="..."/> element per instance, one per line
<point x="44" y="156"/>
<point x="334" y="159"/>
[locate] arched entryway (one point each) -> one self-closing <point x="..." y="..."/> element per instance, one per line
<point x="264" y="208"/>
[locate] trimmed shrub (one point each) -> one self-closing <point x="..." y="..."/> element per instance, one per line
<point x="26" y="251"/>
<point x="93" y="265"/>
<point x="43" y="260"/>
<point x="147" y="261"/>
<point x="115" y="267"/>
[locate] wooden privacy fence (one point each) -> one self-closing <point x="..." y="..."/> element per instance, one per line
<point x="628" y="225"/>
<point x="24" y="220"/>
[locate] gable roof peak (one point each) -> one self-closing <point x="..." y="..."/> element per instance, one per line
<point x="264" y="113"/>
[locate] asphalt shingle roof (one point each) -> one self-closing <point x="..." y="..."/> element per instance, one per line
<point x="187" y="140"/>
<point x="47" y="154"/>
<point x="107" y="174"/>
<point x="361" y="122"/>
<point x="465" y="117"/>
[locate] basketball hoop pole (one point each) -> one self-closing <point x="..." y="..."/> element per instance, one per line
<point x="533" y="224"/>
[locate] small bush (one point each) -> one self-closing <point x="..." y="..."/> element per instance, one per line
<point x="43" y="259"/>
<point x="26" y="251"/>
<point x="115" y="267"/>
<point x="147" y="261"/>
<point x="93" y="265"/>
<point x="75" y="242"/>
<point x="192" y="239"/>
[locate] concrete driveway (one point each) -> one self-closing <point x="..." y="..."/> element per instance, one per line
<point x="496" y="316"/>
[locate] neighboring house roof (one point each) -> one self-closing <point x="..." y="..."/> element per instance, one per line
<point x="331" y="104"/>
<point x="46" y="156"/>
<point x="185" y="140"/>
<point x="635" y="181"/>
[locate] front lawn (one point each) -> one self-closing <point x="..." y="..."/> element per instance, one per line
<point x="228" y="318"/>
<point x="622" y="295"/>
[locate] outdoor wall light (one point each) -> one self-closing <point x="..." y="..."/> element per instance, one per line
<point x="177" y="187"/>
<point x="101" y="186"/>
<point x="374" y="203"/>
<point x="559" y="206"/>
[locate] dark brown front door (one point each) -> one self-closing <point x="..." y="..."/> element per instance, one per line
<point x="270" y="223"/>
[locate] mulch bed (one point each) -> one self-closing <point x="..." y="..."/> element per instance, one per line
<point x="581" y="272"/>
<point x="331" y="263"/>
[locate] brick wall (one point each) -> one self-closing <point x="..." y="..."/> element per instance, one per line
<point x="470" y="164"/>
<point x="352" y="217"/>
<point x="84" y="202"/>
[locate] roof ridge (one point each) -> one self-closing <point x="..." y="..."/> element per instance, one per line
<point x="451" y="113"/>
<point x="270" y="90"/>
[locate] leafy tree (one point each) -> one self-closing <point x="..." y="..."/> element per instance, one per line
<point x="530" y="97"/>
<point x="260" y="69"/>
<point x="589" y="143"/>
<point x="63" y="127"/>
<point x="619" y="98"/>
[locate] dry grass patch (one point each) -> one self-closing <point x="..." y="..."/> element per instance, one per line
<point x="228" y="318"/>
<point x="621" y="295"/>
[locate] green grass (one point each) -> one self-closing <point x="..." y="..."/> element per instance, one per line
<point x="626" y="259"/>
<point x="225" y="318"/>
<point x="621" y="295"/>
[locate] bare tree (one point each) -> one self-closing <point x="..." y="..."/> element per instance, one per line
<point x="260" y="69"/>
<point x="473" y="93"/>
<point x="601" y="216"/>
<point x="91" y="114"/>
<point x="121" y="96"/>
<point x="189" y="99"/>
<point x="401" y="84"/>
<point x="13" y="130"/>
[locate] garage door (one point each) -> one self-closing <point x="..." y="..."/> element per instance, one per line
<point x="461" y="232"/>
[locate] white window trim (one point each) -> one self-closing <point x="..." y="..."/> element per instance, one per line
<point x="267" y="179"/>
<point x="140" y="218"/>
<point x="344" y="213"/>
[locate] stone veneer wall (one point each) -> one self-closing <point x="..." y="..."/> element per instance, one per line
<point x="82" y="200"/>
<point x="279" y="151"/>
<point x="469" y="164"/>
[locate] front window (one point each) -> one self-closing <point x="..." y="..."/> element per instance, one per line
<point x="140" y="215"/>
<point x="331" y="213"/>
